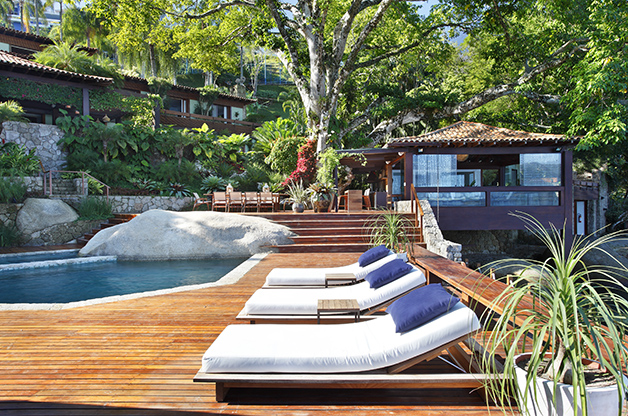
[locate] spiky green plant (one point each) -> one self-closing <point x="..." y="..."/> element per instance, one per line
<point x="570" y="310"/>
<point x="391" y="229"/>
<point x="297" y="194"/>
<point x="11" y="111"/>
<point x="92" y="208"/>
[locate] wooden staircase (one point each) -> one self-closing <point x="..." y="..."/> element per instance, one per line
<point x="117" y="219"/>
<point x="328" y="232"/>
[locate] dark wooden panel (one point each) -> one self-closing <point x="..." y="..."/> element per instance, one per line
<point x="494" y="218"/>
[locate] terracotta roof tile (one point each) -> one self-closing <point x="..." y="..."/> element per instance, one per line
<point x="30" y="36"/>
<point x="14" y="61"/>
<point x="192" y="89"/>
<point x="468" y="133"/>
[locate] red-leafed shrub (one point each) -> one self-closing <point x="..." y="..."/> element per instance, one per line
<point x="306" y="165"/>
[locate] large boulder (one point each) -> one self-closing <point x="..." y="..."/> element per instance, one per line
<point x="169" y="235"/>
<point x="39" y="214"/>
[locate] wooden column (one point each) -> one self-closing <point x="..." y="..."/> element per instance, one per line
<point x="389" y="184"/>
<point x="85" y="102"/>
<point x="408" y="175"/>
<point x="567" y="200"/>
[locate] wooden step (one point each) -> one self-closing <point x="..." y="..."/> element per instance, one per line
<point x="330" y="239"/>
<point x="324" y="248"/>
<point x="329" y="231"/>
<point x="117" y="219"/>
<point x="324" y="223"/>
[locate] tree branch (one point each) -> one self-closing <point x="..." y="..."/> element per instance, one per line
<point x="361" y="119"/>
<point x="406" y="48"/>
<point x="217" y="9"/>
<point x="562" y="55"/>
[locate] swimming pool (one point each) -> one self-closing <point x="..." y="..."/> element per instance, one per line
<point x="38" y="256"/>
<point x="80" y="282"/>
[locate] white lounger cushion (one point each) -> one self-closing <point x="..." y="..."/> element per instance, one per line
<point x="353" y="347"/>
<point x="316" y="276"/>
<point x="305" y="301"/>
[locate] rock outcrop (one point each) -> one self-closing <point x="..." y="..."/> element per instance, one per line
<point x="169" y="235"/>
<point x="38" y="214"/>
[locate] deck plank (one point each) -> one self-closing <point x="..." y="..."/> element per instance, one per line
<point x="138" y="357"/>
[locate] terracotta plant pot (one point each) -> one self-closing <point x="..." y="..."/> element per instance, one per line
<point x="600" y="400"/>
<point x="322" y="205"/>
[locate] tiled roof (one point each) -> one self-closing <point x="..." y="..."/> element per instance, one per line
<point x="18" y="64"/>
<point x="23" y="35"/>
<point x="464" y="133"/>
<point x="192" y="89"/>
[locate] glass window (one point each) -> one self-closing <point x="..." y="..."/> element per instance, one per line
<point x="220" y="111"/>
<point x="524" y="199"/>
<point x="434" y="170"/>
<point x="454" y="199"/>
<point x="512" y="175"/>
<point x="468" y="177"/>
<point x="175" y="105"/>
<point x="540" y="169"/>
<point x="490" y="177"/>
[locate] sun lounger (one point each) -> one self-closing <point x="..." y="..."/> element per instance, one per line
<point x="369" y="354"/>
<point x="301" y="305"/>
<point x="328" y="276"/>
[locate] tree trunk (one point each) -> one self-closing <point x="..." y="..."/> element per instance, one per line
<point x="153" y="60"/>
<point x="61" y="20"/>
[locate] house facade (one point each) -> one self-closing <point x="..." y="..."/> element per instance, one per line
<point x="43" y="91"/>
<point x="475" y="175"/>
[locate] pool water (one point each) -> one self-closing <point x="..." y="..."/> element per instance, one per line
<point x="72" y="283"/>
<point x="43" y="256"/>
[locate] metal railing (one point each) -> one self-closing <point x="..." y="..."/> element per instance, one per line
<point x="47" y="183"/>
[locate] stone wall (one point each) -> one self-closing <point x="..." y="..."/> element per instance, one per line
<point x="432" y="234"/>
<point x="34" y="184"/>
<point x="8" y="214"/>
<point x="60" y="233"/>
<point x="55" y="234"/>
<point x="139" y="204"/>
<point x="42" y="137"/>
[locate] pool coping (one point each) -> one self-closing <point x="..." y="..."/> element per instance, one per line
<point x="230" y="278"/>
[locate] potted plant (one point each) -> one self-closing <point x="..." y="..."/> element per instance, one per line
<point x="320" y="195"/>
<point x="297" y="196"/>
<point x="391" y="229"/>
<point x="570" y="323"/>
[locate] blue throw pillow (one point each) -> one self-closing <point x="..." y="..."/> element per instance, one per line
<point x="387" y="273"/>
<point x="420" y="306"/>
<point x="372" y="255"/>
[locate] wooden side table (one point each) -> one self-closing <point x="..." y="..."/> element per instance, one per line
<point x="339" y="277"/>
<point x="338" y="306"/>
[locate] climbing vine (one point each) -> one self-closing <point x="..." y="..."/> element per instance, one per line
<point x="23" y="89"/>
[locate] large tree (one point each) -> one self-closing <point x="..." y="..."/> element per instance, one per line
<point x="538" y="50"/>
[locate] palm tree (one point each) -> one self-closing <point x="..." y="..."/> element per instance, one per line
<point x="64" y="56"/>
<point x="6" y="8"/>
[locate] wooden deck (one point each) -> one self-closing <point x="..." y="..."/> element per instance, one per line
<point x="138" y="357"/>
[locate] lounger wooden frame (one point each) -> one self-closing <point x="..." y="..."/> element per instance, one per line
<point x="390" y="377"/>
<point x="312" y="319"/>
<point x="331" y="280"/>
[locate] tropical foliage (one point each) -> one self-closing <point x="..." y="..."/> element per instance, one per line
<point x="391" y="229"/>
<point x="572" y="310"/>
<point x="17" y="160"/>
